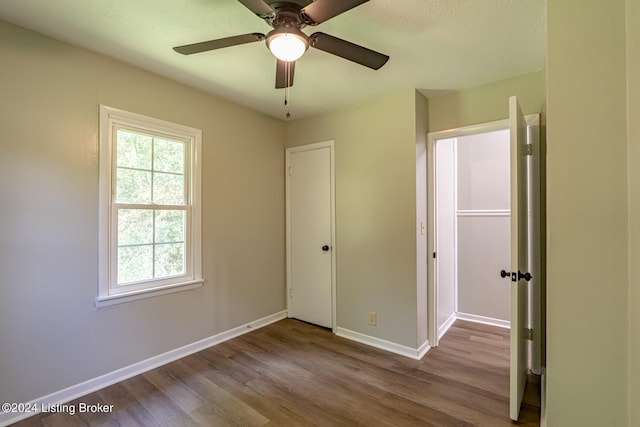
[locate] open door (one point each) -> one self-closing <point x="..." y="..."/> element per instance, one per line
<point x="519" y="256"/>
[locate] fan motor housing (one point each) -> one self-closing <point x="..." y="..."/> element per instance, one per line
<point x="287" y="14"/>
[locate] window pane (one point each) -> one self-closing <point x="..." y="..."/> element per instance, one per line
<point x="133" y="150"/>
<point x="169" y="260"/>
<point x="170" y="226"/>
<point x="168" y="189"/>
<point x="133" y="186"/>
<point x="135" y="263"/>
<point x="135" y="226"/>
<point x="168" y="156"/>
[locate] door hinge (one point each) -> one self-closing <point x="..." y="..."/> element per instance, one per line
<point x="291" y="293"/>
<point x="528" y="150"/>
<point x="434" y="255"/>
<point x="529" y="334"/>
<point x="289" y="170"/>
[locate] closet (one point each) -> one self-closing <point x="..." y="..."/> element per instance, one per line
<point x="472" y="228"/>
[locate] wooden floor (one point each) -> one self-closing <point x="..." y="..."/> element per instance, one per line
<point x="294" y="374"/>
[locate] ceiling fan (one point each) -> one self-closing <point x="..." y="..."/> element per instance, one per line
<point x="287" y="41"/>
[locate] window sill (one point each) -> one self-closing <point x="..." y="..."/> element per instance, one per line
<point x="102" y="301"/>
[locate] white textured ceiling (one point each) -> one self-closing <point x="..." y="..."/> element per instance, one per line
<point x="433" y="44"/>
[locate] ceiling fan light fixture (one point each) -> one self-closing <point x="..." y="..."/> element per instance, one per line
<point x="287" y="44"/>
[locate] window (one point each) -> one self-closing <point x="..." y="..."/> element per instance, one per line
<point x="150" y="220"/>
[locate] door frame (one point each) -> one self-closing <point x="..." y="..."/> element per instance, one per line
<point x="288" y="152"/>
<point x="432" y="138"/>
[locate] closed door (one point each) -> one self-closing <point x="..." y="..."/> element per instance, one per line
<point x="310" y="246"/>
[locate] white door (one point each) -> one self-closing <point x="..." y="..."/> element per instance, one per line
<point x="310" y="242"/>
<point x="519" y="257"/>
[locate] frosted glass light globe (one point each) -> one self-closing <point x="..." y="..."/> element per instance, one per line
<point x="287" y="46"/>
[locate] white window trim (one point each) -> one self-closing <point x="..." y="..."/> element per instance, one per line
<point x="109" y="119"/>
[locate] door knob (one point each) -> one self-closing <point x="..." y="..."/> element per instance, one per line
<point x="325" y="248"/>
<point x="526" y="276"/>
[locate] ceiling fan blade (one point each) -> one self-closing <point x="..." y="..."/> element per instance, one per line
<point x="323" y="10"/>
<point x="189" y="49"/>
<point x="347" y="50"/>
<point x="258" y="7"/>
<point x="284" y="74"/>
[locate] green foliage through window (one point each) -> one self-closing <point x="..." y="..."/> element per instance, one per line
<point x="151" y="199"/>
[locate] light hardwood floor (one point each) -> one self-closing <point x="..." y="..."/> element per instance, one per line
<point x="294" y="374"/>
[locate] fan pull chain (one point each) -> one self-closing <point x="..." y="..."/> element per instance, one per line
<point x="287" y="91"/>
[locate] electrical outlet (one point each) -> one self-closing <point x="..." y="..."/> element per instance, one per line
<point x="373" y="318"/>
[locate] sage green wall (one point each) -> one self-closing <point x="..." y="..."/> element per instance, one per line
<point x="633" y="123"/>
<point x="375" y="158"/>
<point x="587" y="271"/>
<point x="486" y="103"/>
<point x="51" y="336"/>
<point x="633" y="100"/>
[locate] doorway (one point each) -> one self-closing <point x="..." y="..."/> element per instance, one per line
<point x="472" y="201"/>
<point x="535" y="315"/>
<point x="310" y="233"/>
<point x="459" y="207"/>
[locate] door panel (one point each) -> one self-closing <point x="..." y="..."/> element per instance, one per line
<point x="310" y="236"/>
<point x="519" y="256"/>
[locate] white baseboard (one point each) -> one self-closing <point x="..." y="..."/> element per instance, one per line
<point x="94" y="384"/>
<point x="446" y="325"/>
<point x="486" y="320"/>
<point x="423" y="349"/>
<point x="413" y="353"/>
